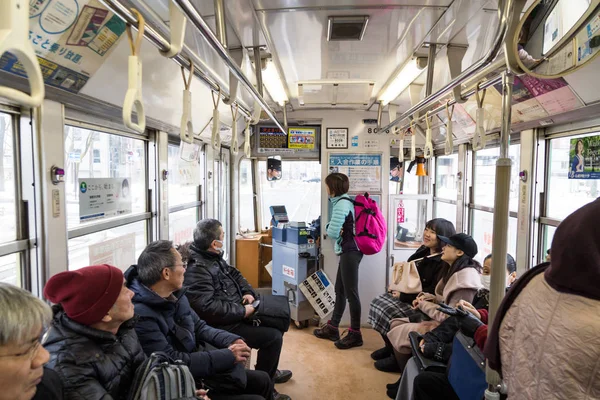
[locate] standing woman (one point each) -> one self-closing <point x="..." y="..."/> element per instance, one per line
<point x="386" y="307"/>
<point x="341" y="230"/>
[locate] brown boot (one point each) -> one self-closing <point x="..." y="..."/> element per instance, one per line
<point x="328" y="331"/>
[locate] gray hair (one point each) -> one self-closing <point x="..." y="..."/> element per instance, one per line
<point x="154" y="259"/>
<point x="20" y="312"/>
<point x="206" y="231"/>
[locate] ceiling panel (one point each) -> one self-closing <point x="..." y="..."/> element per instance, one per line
<point x="291" y="5"/>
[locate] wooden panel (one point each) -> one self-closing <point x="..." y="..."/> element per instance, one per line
<point x="251" y="258"/>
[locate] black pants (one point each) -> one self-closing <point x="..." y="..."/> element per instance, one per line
<point x="267" y="340"/>
<point x="346" y="288"/>
<point x="259" y="387"/>
<point x="433" y="386"/>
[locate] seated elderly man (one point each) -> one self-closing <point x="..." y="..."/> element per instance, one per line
<point x="93" y="346"/>
<point x="168" y="324"/>
<point x="222" y="297"/>
<point x="24" y="318"/>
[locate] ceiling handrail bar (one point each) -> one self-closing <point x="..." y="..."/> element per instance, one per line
<point x="505" y="15"/>
<point x="163" y="45"/>
<point x="202" y="27"/>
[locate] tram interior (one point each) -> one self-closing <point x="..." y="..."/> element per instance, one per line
<point x="338" y="75"/>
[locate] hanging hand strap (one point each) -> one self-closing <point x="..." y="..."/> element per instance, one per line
<point x="133" y="97"/>
<point x="479" y="139"/>
<point x="234" y="133"/>
<point x="186" y="130"/>
<point x="428" y="149"/>
<point x="14" y="38"/>
<point x="449" y="145"/>
<point x="413" y="141"/>
<point x="216" y="127"/>
<point x="177" y="23"/>
<point x="401" y="150"/>
<point x="247" y="139"/>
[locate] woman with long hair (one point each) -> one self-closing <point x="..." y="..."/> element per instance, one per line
<point x="340" y="229"/>
<point x="577" y="163"/>
<point x="386" y="307"/>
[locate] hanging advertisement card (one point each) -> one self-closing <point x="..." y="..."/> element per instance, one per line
<point x="584" y="158"/>
<point x="103" y="197"/>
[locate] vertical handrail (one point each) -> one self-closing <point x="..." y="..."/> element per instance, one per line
<point x="202" y="27"/>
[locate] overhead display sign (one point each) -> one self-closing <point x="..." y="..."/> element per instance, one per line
<point x="103" y="197"/>
<point x="119" y="252"/>
<point x="363" y="170"/>
<point x="302" y="141"/>
<point x="584" y="158"/>
<point x="302" y="138"/>
<point x="71" y="39"/>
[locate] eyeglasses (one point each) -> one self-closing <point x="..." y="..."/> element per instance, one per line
<point x="31" y="350"/>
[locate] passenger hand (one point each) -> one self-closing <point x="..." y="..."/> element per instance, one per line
<point x="240" y="341"/>
<point x="469" y="307"/>
<point x="249" y="310"/>
<point x="422" y="345"/>
<point x="467" y="323"/>
<point x="202" y="394"/>
<point x="248" y="299"/>
<point x="241" y="352"/>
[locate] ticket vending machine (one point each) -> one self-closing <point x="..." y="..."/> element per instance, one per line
<point x="294" y="259"/>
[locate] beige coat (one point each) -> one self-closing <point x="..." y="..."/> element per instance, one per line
<point x="550" y="348"/>
<point x="462" y="285"/>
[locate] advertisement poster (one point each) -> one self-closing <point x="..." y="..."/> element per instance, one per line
<point x="554" y="95"/>
<point x="271" y="138"/>
<point x="363" y="170"/>
<point x="337" y="138"/>
<point x="103" y="197"/>
<point x="320" y="293"/>
<point x="71" y="39"/>
<point x="584" y="49"/>
<point x="302" y="138"/>
<point x="119" y="252"/>
<point x="584" y="158"/>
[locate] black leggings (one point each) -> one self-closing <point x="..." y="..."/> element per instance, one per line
<point x="346" y="288"/>
<point x="432" y="386"/>
<point x="259" y="387"/>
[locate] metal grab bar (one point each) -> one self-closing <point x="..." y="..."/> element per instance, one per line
<point x="163" y="45"/>
<point x="201" y="25"/>
<point x="505" y="14"/>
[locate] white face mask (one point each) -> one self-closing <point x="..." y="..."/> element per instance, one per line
<point x="486" y="280"/>
<point x="221" y="250"/>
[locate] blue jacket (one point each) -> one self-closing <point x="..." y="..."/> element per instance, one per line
<point x="173" y="327"/>
<point x="342" y="216"/>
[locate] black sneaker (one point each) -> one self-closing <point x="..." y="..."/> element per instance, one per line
<point x="388" y="364"/>
<point x="282" y="376"/>
<point x="382" y="353"/>
<point x="352" y="339"/>
<point x="327" y="332"/>
<point x="280" y="396"/>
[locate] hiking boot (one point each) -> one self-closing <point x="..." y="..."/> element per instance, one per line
<point x="352" y="339"/>
<point x="382" y="353"/>
<point x="328" y="331"/>
<point x="388" y="364"/>
<point x="282" y="376"/>
<point x="280" y="396"/>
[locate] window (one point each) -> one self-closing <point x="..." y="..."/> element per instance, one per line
<point x="299" y="190"/>
<point x="122" y="160"/>
<point x="246" y="209"/>
<point x="484" y="182"/>
<point x="446" y="172"/>
<point x="8" y="201"/>
<point x="565" y="195"/>
<point x="120" y="246"/>
<point x="482" y="232"/>
<point x="182" y="224"/>
<point x="549" y="232"/>
<point x="106" y="196"/>
<point x="184" y="177"/>
<point x="411" y="180"/>
<point x="446" y="211"/>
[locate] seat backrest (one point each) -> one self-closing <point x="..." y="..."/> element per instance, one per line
<point x="467" y="369"/>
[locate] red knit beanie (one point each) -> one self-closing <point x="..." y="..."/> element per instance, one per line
<point x="86" y="294"/>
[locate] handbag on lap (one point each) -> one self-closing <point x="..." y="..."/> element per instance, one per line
<point x="273" y="312"/>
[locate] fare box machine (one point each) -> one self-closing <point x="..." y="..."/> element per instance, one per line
<point x="294" y="259"/>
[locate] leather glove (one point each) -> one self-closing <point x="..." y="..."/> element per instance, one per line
<point x="468" y="324"/>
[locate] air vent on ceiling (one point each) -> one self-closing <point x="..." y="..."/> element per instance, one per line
<point x="351" y="27"/>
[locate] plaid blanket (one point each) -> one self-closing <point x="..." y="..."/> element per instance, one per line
<point x="384" y="308"/>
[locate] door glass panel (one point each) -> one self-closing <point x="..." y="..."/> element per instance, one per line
<point x="483" y="228"/>
<point x="183" y="178"/>
<point x="182" y="224"/>
<point x="8" y="216"/>
<point x="10" y="270"/>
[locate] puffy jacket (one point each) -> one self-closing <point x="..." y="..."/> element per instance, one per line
<point x="550" y="349"/>
<point x="171" y="326"/>
<point x="215" y="289"/>
<point x="429" y="272"/>
<point x="93" y="364"/>
<point x="342" y="217"/>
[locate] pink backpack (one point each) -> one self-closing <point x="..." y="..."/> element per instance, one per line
<point x="370" y="228"/>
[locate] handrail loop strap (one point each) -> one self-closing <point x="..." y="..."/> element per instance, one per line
<point x="234" y="131"/>
<point x="186" y="129"/>
<point x="216" y="127"/>
<point x="479" y="138"/>
<point x="247" y="139"/>
<point x="449" y="145"/>
<point x="428" y="149"/>
<point x="133" y="97"/>
<point x="177" y="22"/>
<point x="413" y="141"/>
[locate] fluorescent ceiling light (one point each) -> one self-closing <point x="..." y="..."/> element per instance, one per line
<point x="273" y="83"/>
<point x="405" y="77"/>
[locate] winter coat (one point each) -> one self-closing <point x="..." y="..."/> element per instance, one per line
<point x="215" y="289"/>
<point x="429" y="273"/>
<point x="550" y="349"/>
<point x="171" y="326"/>
<point x="341" y="224"/>
<point x="462" y="285"/>
<point x="50" y="388"/>
<point x="93" y="364"/>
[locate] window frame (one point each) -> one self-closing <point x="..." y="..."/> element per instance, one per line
<point x="254" y="191"/>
